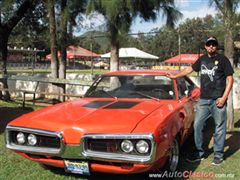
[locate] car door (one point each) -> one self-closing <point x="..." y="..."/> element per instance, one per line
<point x="187" y="112"/>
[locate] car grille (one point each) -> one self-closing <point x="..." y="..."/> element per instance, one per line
<point x="109" y="146"/>
<point x="114" y="147"/>
<point x="102" y="145"/>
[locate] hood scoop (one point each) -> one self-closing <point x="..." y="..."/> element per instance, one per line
<point x="110" y="104"/>
<point x="97" y="104"/>
<point x="121" y="105"/>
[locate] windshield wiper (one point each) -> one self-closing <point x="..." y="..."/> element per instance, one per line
<point x="144" y="95"/>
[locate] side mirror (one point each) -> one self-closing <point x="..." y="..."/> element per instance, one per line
<point x="171" y="93"/>
<point x="195" y="93"/>
<point x="187" y="93"/>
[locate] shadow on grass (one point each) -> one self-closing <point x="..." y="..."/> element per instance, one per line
<point x="237" y="124"/>
<point x="231" y="145"/>
<point x="189" y="147"/>
<point x="8" y="114"/>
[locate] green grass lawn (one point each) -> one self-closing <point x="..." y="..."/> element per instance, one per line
<point x="230" y="166"/>
<point x="13" y="166"/>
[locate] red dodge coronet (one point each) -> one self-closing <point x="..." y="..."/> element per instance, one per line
<point x="127" y="122"/>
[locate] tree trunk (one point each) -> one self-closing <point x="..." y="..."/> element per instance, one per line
<point x="5" y="95"/>
<point x="63" y="41"/>
<point x="53" y="38"/>
<point x="53" y="42"/>
<point x="114" y="59"/>
<point x="229" y="52"/>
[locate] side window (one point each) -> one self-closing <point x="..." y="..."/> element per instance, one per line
<point x="182" y="87"/>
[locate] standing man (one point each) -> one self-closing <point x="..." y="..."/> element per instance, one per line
<point x="216" y="78"/>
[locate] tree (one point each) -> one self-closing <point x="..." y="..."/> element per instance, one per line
<point x="195" y="36"/>
<point x="53" y="38"/>
<point x="10" y="15"/>
<point x="228" y="9"/>
<point x="119" y="15"/>
<point x="63" y="44"/>
<point x="32" y="31"/>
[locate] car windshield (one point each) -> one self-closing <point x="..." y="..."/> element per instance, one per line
<point x="132" y="86"/>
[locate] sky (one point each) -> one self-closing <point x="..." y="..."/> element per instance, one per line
<point x="189" y="9"/>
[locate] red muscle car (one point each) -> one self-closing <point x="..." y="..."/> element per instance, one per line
<point x="127" y="122"/>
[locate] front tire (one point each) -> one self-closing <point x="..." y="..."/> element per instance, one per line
<point x="174" y="156"/>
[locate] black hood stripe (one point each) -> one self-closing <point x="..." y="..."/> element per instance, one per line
<point x="113" y="105"/>
<point x="97" y="104"/>
<point x="121" y="105"/>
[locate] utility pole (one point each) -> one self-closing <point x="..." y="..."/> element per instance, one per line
<point x="91" y="58"/>
<point x="179" y="49"/>
<point x="91" y="48"/>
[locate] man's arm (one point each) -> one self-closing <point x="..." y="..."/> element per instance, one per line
<point x="182" y="73"/>
<point x="221" y="101"/>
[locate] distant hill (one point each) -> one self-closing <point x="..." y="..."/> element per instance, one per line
<point x="98" y="39"/>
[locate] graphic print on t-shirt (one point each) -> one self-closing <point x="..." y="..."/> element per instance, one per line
<point x="209" y="72"/>
<point x="213" y="75"/>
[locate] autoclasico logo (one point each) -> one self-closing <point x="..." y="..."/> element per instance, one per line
<point x="190" y="174"/>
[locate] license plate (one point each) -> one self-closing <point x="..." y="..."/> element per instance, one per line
<point x="80" y="167"/>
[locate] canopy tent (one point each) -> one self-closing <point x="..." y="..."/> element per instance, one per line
<point x="184" y="58"/>
<point x="76" y="52"/>
<point x="131" y="53"/>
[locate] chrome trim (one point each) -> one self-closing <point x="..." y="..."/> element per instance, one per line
<point x="119" y="136"/>
<point x="78" y="151"/>
<point x="95" y="155"/>
<point x="32" y="149"/>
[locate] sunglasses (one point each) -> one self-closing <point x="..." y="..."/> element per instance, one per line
<point x="211" y="44"/>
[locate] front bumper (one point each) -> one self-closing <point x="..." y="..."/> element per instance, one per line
<point x="56" y="156"/>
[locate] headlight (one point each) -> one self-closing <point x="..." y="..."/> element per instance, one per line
<point x="20" y="138"/>
<point x="142" y="146"/>
<point x="127" y="146"/>
<point x="32" y="139"/>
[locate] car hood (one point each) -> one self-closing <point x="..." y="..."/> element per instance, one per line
<point x="89" y="115"/>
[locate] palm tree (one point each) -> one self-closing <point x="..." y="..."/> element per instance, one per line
<point x="119" y="15"/>
<point x="68" y="12"/>
<point x="69" y="9"/>
<point x="228" y="9"/>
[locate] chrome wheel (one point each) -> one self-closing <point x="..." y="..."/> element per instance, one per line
<point x="173" y="156"/>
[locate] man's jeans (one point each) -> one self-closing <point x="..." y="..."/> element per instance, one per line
<point x="205" y="109"/>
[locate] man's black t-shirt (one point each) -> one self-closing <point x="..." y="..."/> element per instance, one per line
<point x="214" y="71"/>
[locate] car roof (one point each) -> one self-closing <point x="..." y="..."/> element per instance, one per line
<point x="142" y="72"/>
